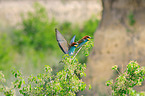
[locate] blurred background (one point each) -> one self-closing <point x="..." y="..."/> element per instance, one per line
<point x="27" y="35"/>
<point x="28" y="43"/>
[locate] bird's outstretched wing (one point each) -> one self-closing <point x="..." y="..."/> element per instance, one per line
<point x="72" y="40"/>
<point x="61" y="42"/>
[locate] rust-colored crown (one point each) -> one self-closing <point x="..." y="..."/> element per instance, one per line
<point x="74" y="43"/>
<point x="85" y="37"/>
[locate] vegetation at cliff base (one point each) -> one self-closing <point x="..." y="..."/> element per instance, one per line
<point x="123" y="85"/>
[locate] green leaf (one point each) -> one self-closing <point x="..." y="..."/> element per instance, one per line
<point x="115" y="67"/>
<point x="16" y="75"/>
<point x="20" y="83"/>
<point x="109" y="82"/>
<point x="90" y="87"/>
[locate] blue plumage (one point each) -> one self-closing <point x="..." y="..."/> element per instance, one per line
<point x="71" y="50"/>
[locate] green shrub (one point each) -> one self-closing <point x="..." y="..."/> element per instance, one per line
<point x="124" y="83"/>
<point x="65" y="83"/>
<point x="38" y="30"/>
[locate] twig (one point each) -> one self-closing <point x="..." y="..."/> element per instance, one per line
<point x="77" y="53"/>
<point x="3" y="84"/>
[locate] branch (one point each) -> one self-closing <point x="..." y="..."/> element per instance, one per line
<point x="77" y="53"/>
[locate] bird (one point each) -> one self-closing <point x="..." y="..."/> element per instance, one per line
<point x="63" y="44"/>
<point x="83" y="40"/>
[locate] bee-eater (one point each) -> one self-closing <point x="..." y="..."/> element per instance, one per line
<point x="83" y="40"/>
<point x="63" y="44"/>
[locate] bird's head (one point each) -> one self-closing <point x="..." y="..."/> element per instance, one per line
<point x="74" y="44"/>
<point x="87" y="37"/>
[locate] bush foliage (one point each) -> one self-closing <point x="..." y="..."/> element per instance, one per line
<point x="66" y="82"/>
<point x="124" y="83"/>
<point x="37" y="31"/>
